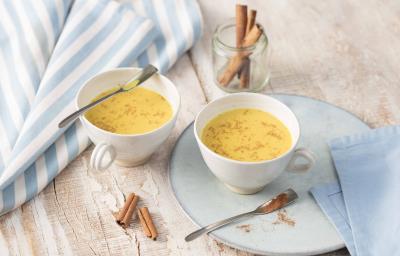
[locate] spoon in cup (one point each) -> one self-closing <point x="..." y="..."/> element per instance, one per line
<point x="276" y="203"/>
<point x="145" y="74"/>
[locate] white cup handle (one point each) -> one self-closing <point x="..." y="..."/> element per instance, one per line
<point x="98" y="160"/>
<point x="304" y="153"/>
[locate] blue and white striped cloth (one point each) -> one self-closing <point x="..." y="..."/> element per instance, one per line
<point x="48" y="48"/>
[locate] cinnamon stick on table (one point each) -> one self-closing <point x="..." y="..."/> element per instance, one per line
<point x="147" y="223"/>
<point x="244" y="73"/>
<point x="125" y="214"/>
<point x="236" y="62"/>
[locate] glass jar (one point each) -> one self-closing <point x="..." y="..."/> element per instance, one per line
<point x="256" y="57"/>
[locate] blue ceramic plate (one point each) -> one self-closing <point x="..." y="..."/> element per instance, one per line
<point x="305" y="231"/>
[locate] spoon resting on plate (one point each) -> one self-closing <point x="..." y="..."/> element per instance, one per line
<point x="276" y="203"/>
<point x="145" y="74"/>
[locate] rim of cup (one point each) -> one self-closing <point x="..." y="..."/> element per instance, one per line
<point x="293" y="146"/>
<point x="169" y="82"/>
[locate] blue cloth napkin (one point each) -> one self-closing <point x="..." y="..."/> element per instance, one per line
<point x="48" y="49"/>
<point x="365" y="206"/>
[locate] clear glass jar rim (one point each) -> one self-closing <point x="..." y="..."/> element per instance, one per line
<point x="263" y="40"/>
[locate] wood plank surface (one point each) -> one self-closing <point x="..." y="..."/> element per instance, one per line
<point x="342" y="52"/>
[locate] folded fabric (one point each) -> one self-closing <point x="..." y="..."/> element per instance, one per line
<point x="366" y="213"/>
<point x="49" y="49"/>
<point x="330" y="198"/>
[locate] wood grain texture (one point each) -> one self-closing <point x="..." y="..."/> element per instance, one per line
<point x="342" y="52"/>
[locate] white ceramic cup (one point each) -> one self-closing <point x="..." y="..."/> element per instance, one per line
<point x="126" y="150"/>
<point x="251" y="177"/>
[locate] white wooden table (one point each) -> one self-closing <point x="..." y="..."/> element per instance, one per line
<point x="342" y="52"/>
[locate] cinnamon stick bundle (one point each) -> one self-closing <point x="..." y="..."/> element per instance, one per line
<point x="147" y="223"/>
<point x="125" y="214"/>
<point x="236" y="62"/>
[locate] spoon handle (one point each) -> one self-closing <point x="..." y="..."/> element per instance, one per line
<point x="146" y="73"/>
<point x="215" y="225"/>
<point x="77" y="113"/>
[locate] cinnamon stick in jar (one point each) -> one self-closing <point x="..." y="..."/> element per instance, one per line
<point x="241" y="25"/>
<point x="251" y="20"/>
<point x="244" y="73"/>
<point x="236" y="62"/>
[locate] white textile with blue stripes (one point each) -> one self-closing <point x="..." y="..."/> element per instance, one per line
<point x="48" y="49"/>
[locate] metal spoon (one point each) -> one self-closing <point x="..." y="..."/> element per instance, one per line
<point x="278" y="202"/>
<point x="147" y="72"/>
